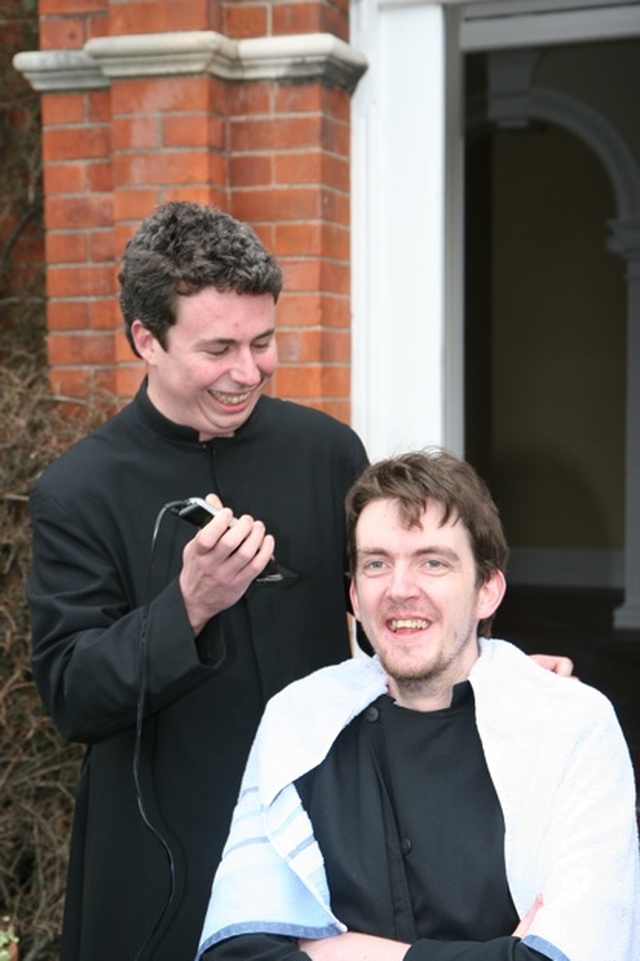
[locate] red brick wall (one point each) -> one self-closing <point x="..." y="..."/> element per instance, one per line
<point x="273" y="153"/>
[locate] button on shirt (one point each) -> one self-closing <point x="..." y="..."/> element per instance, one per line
<point x="420" y="780"/>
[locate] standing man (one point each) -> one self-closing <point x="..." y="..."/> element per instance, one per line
<point x="175" y="626"/>
<point x="446" y="800"/>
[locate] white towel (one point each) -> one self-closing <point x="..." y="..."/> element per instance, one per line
<point x="562" y="772"/>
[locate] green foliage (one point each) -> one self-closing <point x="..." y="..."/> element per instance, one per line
<point x="8" y="940"/>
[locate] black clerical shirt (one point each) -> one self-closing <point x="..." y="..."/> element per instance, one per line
<point x="412" y="834"/>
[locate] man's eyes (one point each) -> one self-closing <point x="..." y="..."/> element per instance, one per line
<point x="374" y="566"/>
<point x="259" y="346"/>
<point x="431" y="565"/>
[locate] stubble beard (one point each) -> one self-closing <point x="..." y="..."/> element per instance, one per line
<point x="417" y="681"/>
<point x="430" y="679"/>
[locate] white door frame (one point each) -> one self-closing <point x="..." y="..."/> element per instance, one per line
<point x="407" y="220"/>
<point x="407" y="134"/>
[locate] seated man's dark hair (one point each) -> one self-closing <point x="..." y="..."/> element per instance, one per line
<point x="435" y="475"/>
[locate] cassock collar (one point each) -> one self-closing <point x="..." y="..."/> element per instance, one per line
<point x="160" y="424"/>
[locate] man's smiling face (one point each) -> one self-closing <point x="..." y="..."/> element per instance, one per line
<point x="219" y="356"/>
<point x="416" y="593"/>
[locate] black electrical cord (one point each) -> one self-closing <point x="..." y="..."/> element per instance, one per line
<point x="183" y="509"/>
<point x="137" y="752"/>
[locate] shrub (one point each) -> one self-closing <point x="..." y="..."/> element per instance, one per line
<point x="37" y="768"/>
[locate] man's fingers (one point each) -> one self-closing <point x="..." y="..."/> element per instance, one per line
<point x="527" y="920"/>
<point x="556" y="663"/>
<point x="215" y="529"/>
<point x="238" y="542"/>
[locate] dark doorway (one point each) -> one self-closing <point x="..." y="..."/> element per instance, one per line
<point x="545" y="345"/>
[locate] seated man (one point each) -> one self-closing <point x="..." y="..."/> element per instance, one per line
<point x="445" y="800"/>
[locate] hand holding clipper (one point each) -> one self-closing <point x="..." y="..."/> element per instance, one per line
<point x="198" y="511"/>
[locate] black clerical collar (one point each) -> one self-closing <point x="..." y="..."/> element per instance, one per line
<point x="178" y="432"/>
<point x="461" y="695"/>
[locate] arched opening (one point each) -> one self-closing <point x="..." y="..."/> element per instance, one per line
<point x="546" y="318"/>
<point x="552" y="370"/>
<point x="551" y="312"/>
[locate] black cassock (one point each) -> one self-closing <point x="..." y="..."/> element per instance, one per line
<point x="93" y="515"/>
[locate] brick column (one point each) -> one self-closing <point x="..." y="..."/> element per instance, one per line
<point x="143" y="103"/>
<point x="76" y="147"/>
<point x="168" y="143"/>
<point x="289" y="163"/>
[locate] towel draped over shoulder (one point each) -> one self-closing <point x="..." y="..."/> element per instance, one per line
<point x="562" y="773"/>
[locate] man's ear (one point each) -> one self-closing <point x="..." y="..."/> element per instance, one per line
<point x="353" y="597"/>
<point x="490" y="595"/>
<point x="146" y="344"/>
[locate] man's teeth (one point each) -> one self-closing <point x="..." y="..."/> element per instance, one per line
<point x="409" y="623"/>
<point x="231" y="399"/>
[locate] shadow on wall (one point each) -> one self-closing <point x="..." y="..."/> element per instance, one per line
<point x="546" y="500"/>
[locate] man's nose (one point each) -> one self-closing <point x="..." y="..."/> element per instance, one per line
<point x="245" y="369"/>
<point x="402" y="583"/>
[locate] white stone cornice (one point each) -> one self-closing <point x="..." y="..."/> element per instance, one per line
<point x="51" y="70"/>
<point x="315" y="56"/>
<point x="161" y="54"/>
<point x="302" y="56"/>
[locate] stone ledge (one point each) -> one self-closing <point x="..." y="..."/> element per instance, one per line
<point x="57" y="70"/>
<point x="314" y="56"/>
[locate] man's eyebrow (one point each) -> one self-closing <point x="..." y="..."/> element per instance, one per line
<point x="439" y="549"/>
<point x="446" y="554"/>
<point x="225" y="341"/>
<point x="431" y="550"/>
<point x="367" y="551"/>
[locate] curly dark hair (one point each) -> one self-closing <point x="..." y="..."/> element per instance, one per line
<point x="179" y="250"/>
<point x="434" y="475"/>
